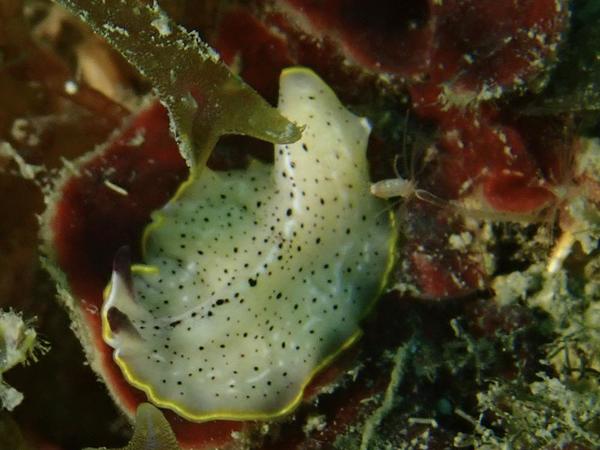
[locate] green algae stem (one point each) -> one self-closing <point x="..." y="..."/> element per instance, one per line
<point x="204" y="99"/>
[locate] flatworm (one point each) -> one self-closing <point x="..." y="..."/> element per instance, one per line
<point x="252" y="281"/>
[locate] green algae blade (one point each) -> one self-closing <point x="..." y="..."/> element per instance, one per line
<point x="152" y="431"/>
<point x="204" y="99"/>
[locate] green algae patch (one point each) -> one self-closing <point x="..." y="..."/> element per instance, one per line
<point x="204" y="99"/>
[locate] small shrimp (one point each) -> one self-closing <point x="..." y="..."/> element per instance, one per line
<point x="399" y="186"/>
<point x="405" y="188"/>
<point x="394" y="187"/>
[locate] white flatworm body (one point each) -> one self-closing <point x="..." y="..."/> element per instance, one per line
<point x="254" y="280"/>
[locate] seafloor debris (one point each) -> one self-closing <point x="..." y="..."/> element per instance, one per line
<point x="18" y="345"/>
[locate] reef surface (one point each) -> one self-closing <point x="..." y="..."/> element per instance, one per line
<point x="484" y="126"/>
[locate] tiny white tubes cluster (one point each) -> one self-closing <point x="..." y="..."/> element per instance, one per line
<point x="254" y="280"/>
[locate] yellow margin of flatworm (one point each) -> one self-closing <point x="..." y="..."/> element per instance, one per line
<point x="148" y="389"/>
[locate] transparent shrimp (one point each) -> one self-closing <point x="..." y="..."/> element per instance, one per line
<point x="406" y="188"/>
<point x="394" y="187"/>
